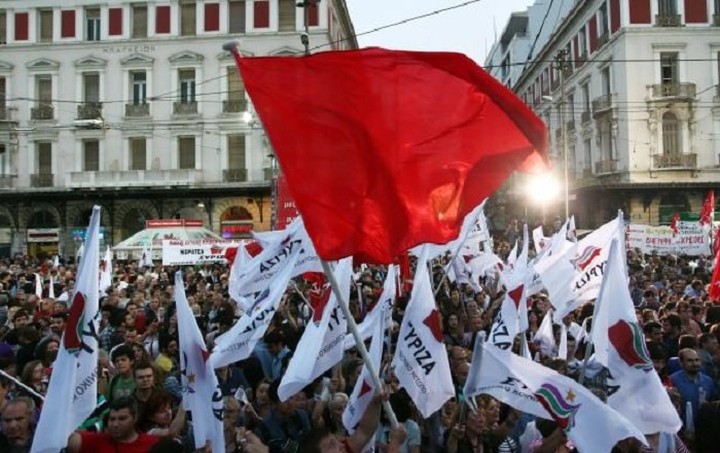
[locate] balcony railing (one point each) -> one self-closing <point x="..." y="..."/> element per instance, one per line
<point x="585" y="117"/>
<point x="602" y="103"/>
<point x="185" y="108"/>
<point x="234" y="106"/>
<point x="133" y="178"/>
<point x="688" y="160"/>
<point x="7" y="181"/>
<point x="606" y="166"/>
<point x="42" y="180"/>
<point x="42" y="112"/>
<point x="680" y="90"/>
<point x="137" y="110"/>
<point x="89" y="111"/>
<point x="667" y="20"/>
<point x="235" y="175"/>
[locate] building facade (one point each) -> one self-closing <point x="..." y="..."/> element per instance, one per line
<point x="134" y="105"/>
<point x="629" y="92"/>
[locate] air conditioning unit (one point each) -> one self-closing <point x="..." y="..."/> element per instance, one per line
<point x="95" y="123"/>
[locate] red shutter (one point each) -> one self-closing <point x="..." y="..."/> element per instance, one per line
<point x="115" y="20"/>
<point x="639" y="11"/>
<point x="614" y="16"/>
<point x="162" y="19"/>
<point x="592" y="30"/>
<point x="696" y="12"/>
<point x="21" y="26"/>
<point x="67" y="20"/>
<point x="313" y="15"/>
<point x="212" y="16"/>
<point x="576" y="52"/>
<point x="261" y="14"/>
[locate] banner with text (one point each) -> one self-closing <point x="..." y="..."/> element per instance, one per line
<point x="690" y="239"/>
<point x="185" y="252"/>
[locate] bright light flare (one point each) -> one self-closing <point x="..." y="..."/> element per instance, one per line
<point x="542" y="188"/>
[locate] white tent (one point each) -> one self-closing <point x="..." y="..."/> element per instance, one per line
<point x="155" y="231"/>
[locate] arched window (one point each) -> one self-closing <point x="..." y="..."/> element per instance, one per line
<point x="42" y="219"/>
<point x="670" y="134"/>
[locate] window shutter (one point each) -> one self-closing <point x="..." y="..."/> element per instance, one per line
<point x="162" y="19"/>
<point x="212" y="17"/>
<point x="21" y="26"/>
<point x="138" y="155"/>
<point x="186" y="158"/>
<point x="237" y="17"/>
<point x="115" y="18"/>
<point x="261" y="14"/>
<point x="67" y="19"/>
<point x="286" y="15"/>
<point x="139" y="22"/>
<point x="313" y="15"/>
<point x="236" y="152"/>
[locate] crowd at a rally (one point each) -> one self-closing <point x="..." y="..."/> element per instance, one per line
<point x="140" y="393"/>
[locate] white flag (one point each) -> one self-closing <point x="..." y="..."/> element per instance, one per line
<point x="51" y="289"/>
<point x="72" y="392"/>
<point x="592" y="425"/>
<point x="238" y="342"/>
<point x="38" y="286"/>
<point x="382" y="309"/>
<point x="145" y="258"/>
<point x="365" y="386"/>
<point x="201" y="393"/>
<point x="471" y="234"/>
<point x="539" y="239"/>
<point x="635" y="389"/>
<point x="544" y="337"/>
<point x="105" y="272"/>
<point x="322" y="342"/>
<point x="242" y="258"/>
<point x="421" y="362"/>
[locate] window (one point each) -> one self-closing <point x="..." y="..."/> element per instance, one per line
<point x="236" y="91"/>
<point x="603" y="25"/>
<point x="92" y="24"/>
<point x="91" y="155"/>
<point x="91" y="87"/>
<point x="187" y="19"/>
<point x="46" y="25"/>
<point x="43" y="85"/>
<point x="236" y="152"/>
<point x="21" y="26"/>
<point x="261" y="14"/>
<point x="3" y="160"/>
<point x="67" y="23"/>
<point x="212" y="17"/>
<point x="236" y="18"/>
<point x="187" y="85"/>
<point x="139" y="87"/>
<point x="3" y="27"/>
<point x="44" y="157"/>
<point x="571" y="107"/>
<point x="162" y="19"/>
<point x="667" y="7"/>
<point x="286" y="15"/>
<point x="139" y="21"/>
<point x="3" y="112"/>
<point x="605" y="75"/>
<point x="138" y="154"/>
<point x="717" y="6"/>
<point x="311" y="14"/>
<point x="115" y="22"/>
<point x="582" y="42"/>
<point x="670" y="134"/>
<point x="669" y="68"/>
<point x="186" y="153"/>
<point x="585" y="90"/>
<point x="587" y="149"/>
<point x="606" y="148"/>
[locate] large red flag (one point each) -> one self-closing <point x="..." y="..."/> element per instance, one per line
<point x="707" y="213"/>
<point x="384" y="149"/>
<point x="714" y="292"/>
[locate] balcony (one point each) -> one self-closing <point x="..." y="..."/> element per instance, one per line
<point x="137" y="110"/>
<point x="602" y="104"/>
<point x="668" y="161"/>
<point x="667" y="20"/>
<point x="7" y="181"/>
<point x="132" y="178"/>
<point x="185" y="108"/>
<point x="605" y="166"/>
<point x="235" y="175"/>
<point x="42" y="112"/>
<point x="89" y="111"/>
<point x="679" y="91"/>
<point x="234" y="106"/>
<point x="585" y="117"/>
<point x="42" y="180"/>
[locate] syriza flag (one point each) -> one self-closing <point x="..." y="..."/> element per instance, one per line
<point x="421" y="362"/>
<point x="202" y="395"/>
<point x="72" y="393"/>
<point x="238" y="343"/>
<point x="105" y="272"/>
<point x="634" y="388"/>
<point x="575" y="276"/>
<point x="263" y="268"/>
<point x="473" y="230"/>
<point x="321" y="345"/>
<point x="365" y="386"/>
<point x="382" y="309"/>
<point x="592" y="425"/>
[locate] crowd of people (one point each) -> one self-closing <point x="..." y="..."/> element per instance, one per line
<point x="140" y="409"/>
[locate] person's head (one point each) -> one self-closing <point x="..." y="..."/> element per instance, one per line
<point x="337" y="405"/>
<point x="20" y="319"/>
<point x="122" y="418"/>
<point x="671" y="325"/>
<point x="33" y="372"/>
<point x="59" y="308"/>
<point x="452" y="322"/>
<point x="683" y="309"/>
<point x="57" y="323"/>
<point x="231" y="412"/>
<point x="687" y="341"/>
<point x="690" y="361"/>
<point x="123" y="357"/>
<point x="275" y="342"/>
<point x="653" y="331"/>
<point x="708" y="342"/>
<point x="321" y="440"/>
<point x="131" y="334"/>
<point x="658" y="356"/>
<point x="141" y="355"/>
<point x="17" y="419"/>
<point x="157" y="411"/>
<point x="261" y="392"/>
<point x="144" y="376"/>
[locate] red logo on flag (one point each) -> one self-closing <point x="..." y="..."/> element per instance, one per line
<point x="72" y="337"/>
<point x="433" y="323"/>
<point x="586" y="257"/>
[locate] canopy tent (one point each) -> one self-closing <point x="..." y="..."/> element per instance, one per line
<point x="155" y="231"/>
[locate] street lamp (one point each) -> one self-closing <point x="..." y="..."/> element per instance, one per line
<point x="562" y="65"/>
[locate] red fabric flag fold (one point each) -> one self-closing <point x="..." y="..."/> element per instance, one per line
<point x="383" y="149"/>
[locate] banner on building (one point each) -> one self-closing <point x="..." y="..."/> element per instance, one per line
<point x="690" y="240"/>
<point x="179" y="252"/>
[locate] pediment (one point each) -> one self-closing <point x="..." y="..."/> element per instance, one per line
<point x="5" y="66"/>
<point x="137" y="59"/>
<point x="286" y="51"/>
<point x="42" y="64"/>
<point x="90" y="62"/>
<point x="186" y="57"/>
<point x="225" y="55"/>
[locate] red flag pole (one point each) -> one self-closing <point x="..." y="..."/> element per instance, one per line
<point x="359" y="342"/>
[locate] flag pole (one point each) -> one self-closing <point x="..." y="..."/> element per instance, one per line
<point x="359" y="343"/>
<point x="23" y="386"/>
